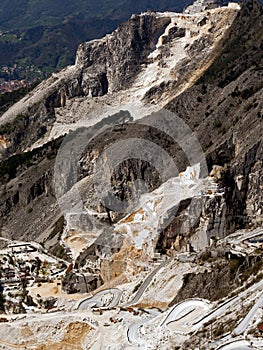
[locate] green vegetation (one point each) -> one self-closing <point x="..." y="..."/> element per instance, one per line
<point x="10" y="167"/>
<point x="9" y="38"/>
<point x="46" y="33"/>
<point x="10" y="98"/>
<point x="36" y="13"/>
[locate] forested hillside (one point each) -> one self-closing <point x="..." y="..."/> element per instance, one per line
<point x="45" y="34"/>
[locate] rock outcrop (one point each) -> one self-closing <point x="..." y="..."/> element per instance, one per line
<point x="112" y="63"/>
<point x="145" y="62"/>
<point x="150" y="60"/>
<point x="80" y="283"/>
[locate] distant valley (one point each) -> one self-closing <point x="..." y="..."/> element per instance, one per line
<point x="39" y="37"/>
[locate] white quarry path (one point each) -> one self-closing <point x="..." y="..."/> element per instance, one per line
<point x="245" y="322"/>
<point x="108" y="298"/>
<point x="190" y="315"/>
<point x="183" y="318"/>
<point x="236" y="345"/>
<point x="179" y="319"/>
<point x="133" y="332"/>
<point x="146" y="283"/>
<point x="255" y="289"/>
<point x="152" y="213"/>
<point x="189" y="310"/>
<point x="238" y="237"/>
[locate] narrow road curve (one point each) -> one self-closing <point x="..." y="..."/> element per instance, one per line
<point x="146" y="283"/>
<point x="133" y="332"/>
<point x="97" y="299"/>
<point x="245" y="322"/>
<point x="223" y="307"/>
<point x="183" y="309"/>
<point x="236" y="345"/>
<point x="185" y="313"/>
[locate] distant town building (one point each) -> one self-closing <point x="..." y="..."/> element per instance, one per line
<point x="11" y="85"/>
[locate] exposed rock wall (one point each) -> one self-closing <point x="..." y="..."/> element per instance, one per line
<point x="255" y="194"/>
<point x="218" y="282"/>
<point x="81" y="283"/>
<point x="225" y="111"/>
<point x="219" y="115"/>
<point x="195" y="223"/>
<point x="118" y="57"/>
<point x="27" y="203"/>
<point x="108" y="64"/>
<point x="148" y="59"/>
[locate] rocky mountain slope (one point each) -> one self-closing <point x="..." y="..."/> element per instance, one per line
<point x="162" y="55"/>
<point x="45" y="34"/>
<point x="136" y="164"/>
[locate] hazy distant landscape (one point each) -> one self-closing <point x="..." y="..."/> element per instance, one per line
<point x="38" y="37"/>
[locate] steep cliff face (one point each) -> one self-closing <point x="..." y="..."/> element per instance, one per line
<point x="254" y="198"/>
<point x="118" y="58"/>
<point x="144" y="64"/>
<point x="27" y="200"/>
<point x="102" y="66"/>
<point x="225" y="110"/>
<point x="195" y="224"/>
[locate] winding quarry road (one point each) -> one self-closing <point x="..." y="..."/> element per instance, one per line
<point x="180" y="319"/>
<point x="185" y="314"/>
<point x="146" y="283"/>
<point x="108" y="298"/>
<point x="133" y="332"/>
<point x="236" y="345"/>
<point x="189" y="315"/>
<point x="183" y="318"/>
<point x="245" y="322"/>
